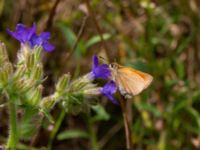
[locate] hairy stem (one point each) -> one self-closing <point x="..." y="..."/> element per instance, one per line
<point x="56" y="128"/>
<point x="13" y="136"/>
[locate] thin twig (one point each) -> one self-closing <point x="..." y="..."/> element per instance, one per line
<point x="110" y="134"/>
<point x="51" y="15"/>
<point x="126" y="124"/>
<point x="78" y="37"/>
<point x="92" y="14"/>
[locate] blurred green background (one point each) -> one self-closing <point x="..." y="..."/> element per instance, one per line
<point x="160" y="37"/>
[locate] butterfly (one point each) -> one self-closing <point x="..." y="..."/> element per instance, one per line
<point x="130" y="81"/>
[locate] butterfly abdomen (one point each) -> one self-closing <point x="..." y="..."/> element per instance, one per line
<point x="125" y="93"/>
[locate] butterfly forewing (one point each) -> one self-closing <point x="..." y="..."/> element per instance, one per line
<point x="146" y="77"/>
<point x="131" y="82"/>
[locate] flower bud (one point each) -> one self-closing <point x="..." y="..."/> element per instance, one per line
<point x="3" y="76"/>
<point x="9" y="68"/>
<point x="35" y="95"/>
<point x="9" y="71"/>
<point x="37" y="73"/>
<point x="23" y="53"/>
<point x="5" y="72"/>
<point x="81" y="82"/>
<point x="89" y="86"/>
<point x="63" y="83"/>
<point x="24" y="85"/>
<point x="3" y="54"/>
<point x="38" y="53"/>
<point x="20" y="71"/>
<point x="27" y="85"/>
<point x="92" y="91"/>
<point x="88" y="77"/>
<point x="48" y="102"/>
<point x="25" y="50"/>
<point x="30" y="61"/>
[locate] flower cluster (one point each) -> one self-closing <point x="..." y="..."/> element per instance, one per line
<point x="22" y="84"/>
<point x="28" y="36"/>
<point x="102" y="71"/>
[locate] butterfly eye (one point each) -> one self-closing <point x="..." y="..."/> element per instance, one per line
<point x="112" y="65"/>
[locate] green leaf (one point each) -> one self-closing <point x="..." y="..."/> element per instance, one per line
<point x="170" y="83"/>
<point x="183" y="45"/>
<point x="71" y="134"/>
<point x="101" y="114"/>
<point x="148" y="107"/>
<point x="97" y="39"/>
<point x="196" y="96"/>
<point x="180" y="69"/>
<point x="71" y="38"/>
<point x="68" y="33"/>
<point x="195" y="114"/>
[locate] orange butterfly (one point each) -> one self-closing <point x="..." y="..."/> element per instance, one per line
<point x="129" y="81"/>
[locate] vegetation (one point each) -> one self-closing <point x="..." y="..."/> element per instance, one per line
<point x="48" y="92"/>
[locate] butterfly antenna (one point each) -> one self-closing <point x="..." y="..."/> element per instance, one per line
<point x="103" y="59"/>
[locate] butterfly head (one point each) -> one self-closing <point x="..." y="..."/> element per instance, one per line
<point x="114" y="66"/>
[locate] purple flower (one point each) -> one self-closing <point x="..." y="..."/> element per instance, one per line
<point x="100" y="70"/>
<point x="22" y="33"/>
<point x="28" y="36"/>
<point x="108" y="90"/>
<point x="42" y="40"/>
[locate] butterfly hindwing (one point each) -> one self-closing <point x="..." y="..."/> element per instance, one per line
<point x="130" y="81"/>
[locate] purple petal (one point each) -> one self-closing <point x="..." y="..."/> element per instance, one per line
<point x="48" y="47"/>
<point x="31" y="31"/>
<point x="104" y="66"/>
<point x="110" y="87"/>
<point x="22" y="33"/>
<point x="100" y="71"/>
<point x="35" y="40"/>
<point x="95" y="61"/>
<point x="45" y="36"/>
<point x="108" y="90"/>
<point x="42" y="40"/>
<point x="13" y="34"/>
<point x="112" y="99"/>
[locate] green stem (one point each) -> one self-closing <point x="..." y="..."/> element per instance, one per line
<point x="93" y="137"/>
<point x="55" y="129"/>
<point x="13" y="136"/>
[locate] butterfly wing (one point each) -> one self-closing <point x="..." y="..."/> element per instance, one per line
<point x="131" y="81"/>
